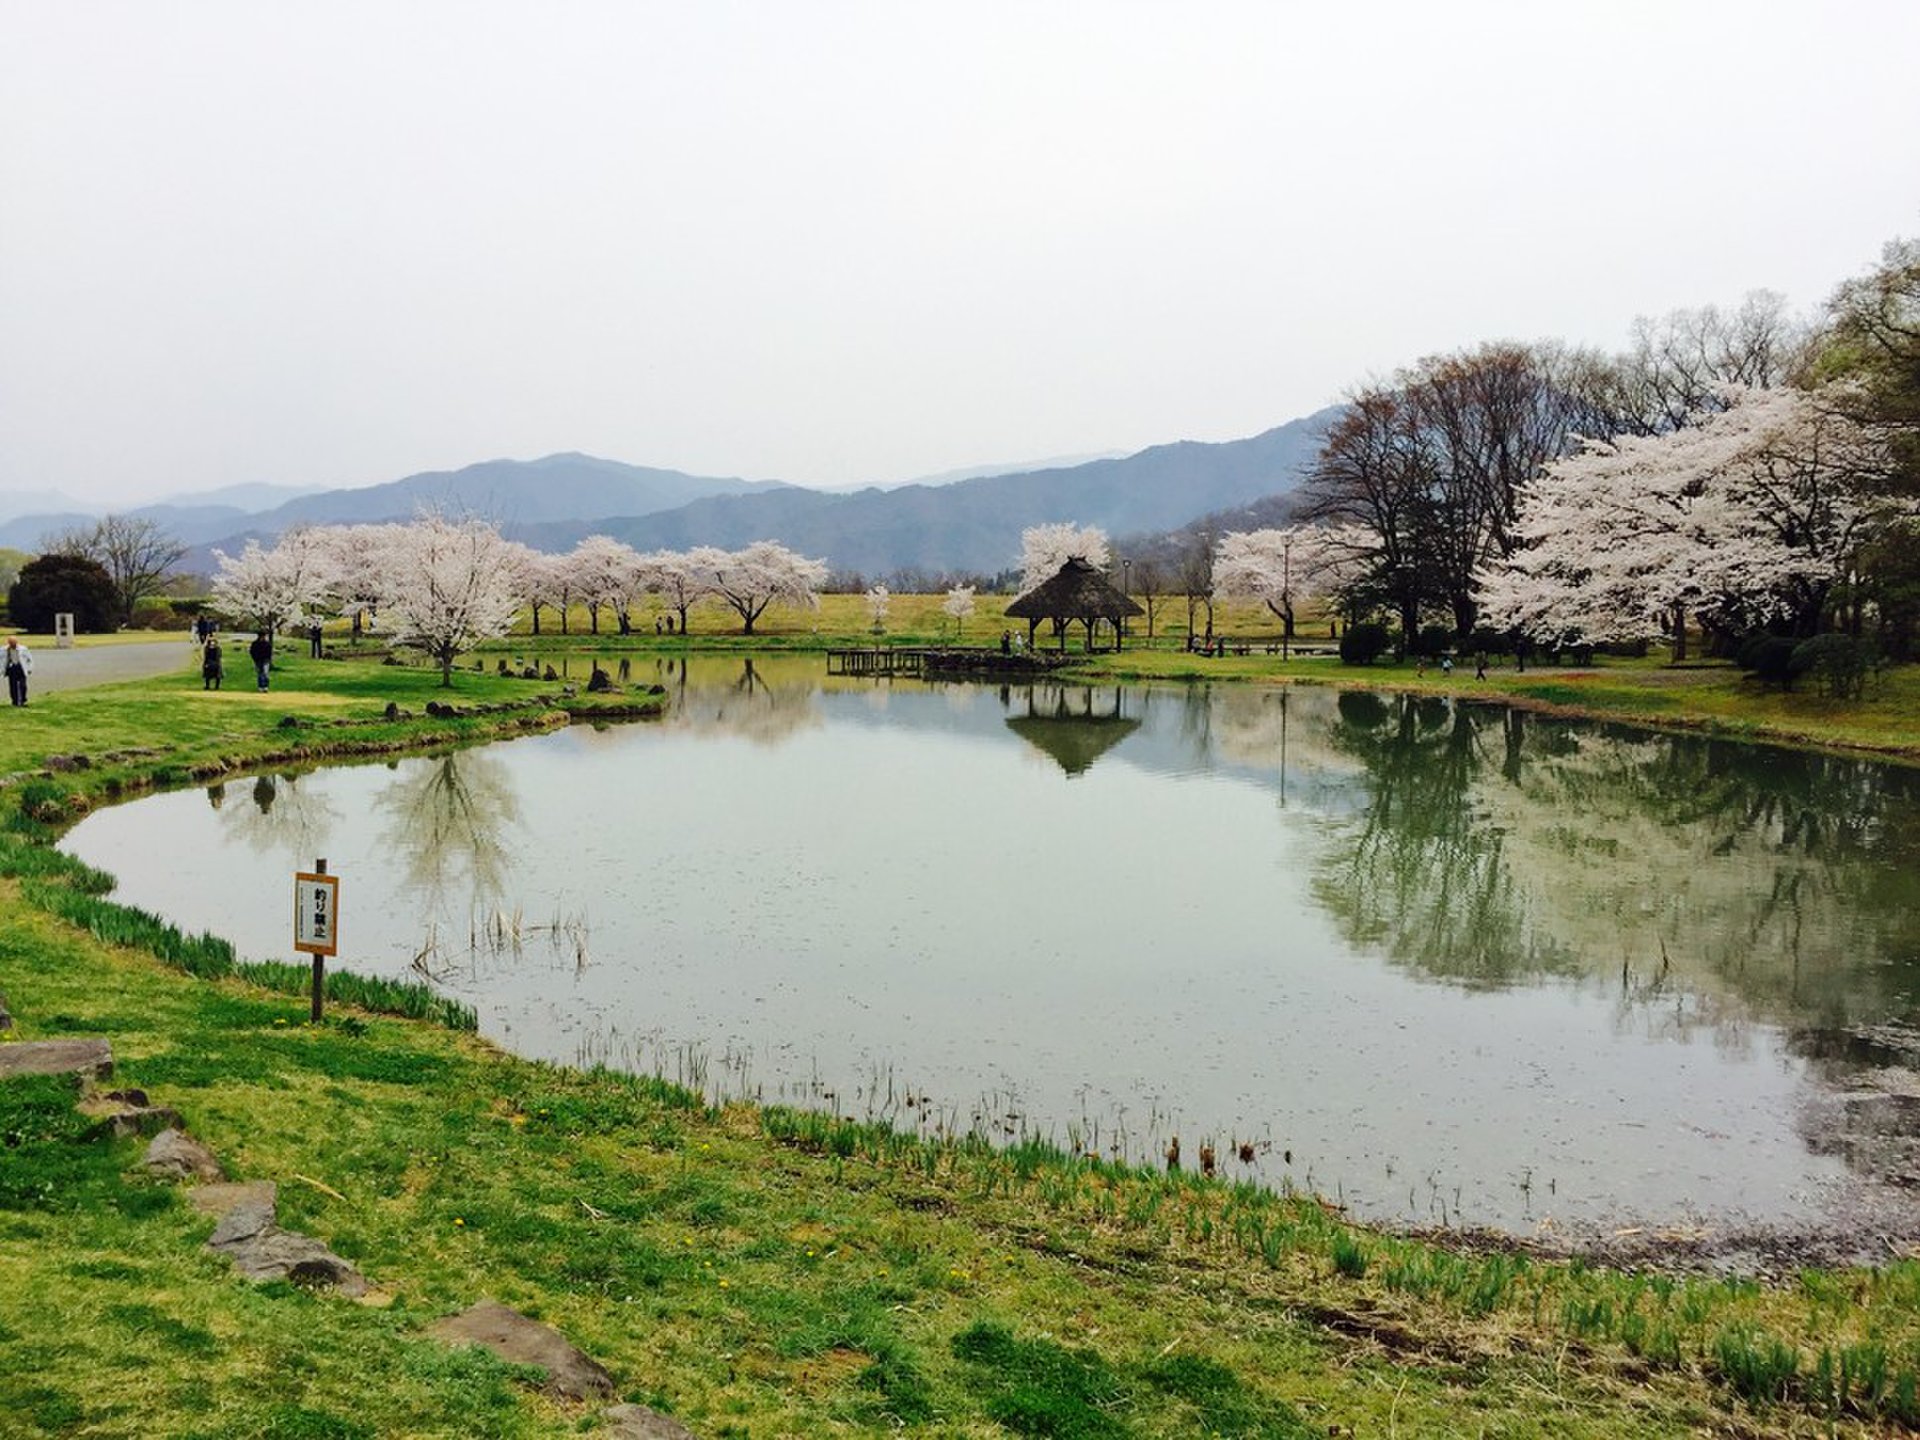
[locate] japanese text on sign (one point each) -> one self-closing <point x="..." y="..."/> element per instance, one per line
<point x="316" y="914"/>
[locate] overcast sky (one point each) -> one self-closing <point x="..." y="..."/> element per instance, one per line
<point x="336" y="243"/>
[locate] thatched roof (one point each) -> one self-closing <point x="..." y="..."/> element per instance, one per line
<point x="1078" y="592"/>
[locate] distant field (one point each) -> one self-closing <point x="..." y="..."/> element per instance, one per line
<point x="919" y="619"/>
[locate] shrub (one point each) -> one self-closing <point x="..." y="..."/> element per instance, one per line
<point x="1839" y="664"/>
<point x="1433" y="641"/>
<point x="1769" y="659"/>
<point x="156" y="615"/>
<point x="56" y="584"/>
<point x="1363" y="644"/>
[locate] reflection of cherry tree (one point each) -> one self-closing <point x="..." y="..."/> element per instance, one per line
<point x="1416" y="871"/>
<point x="1703" y="881"/>
<point x="278" y="813"/>
<point x="448" y="823"/>
<point x="742" y="703"/>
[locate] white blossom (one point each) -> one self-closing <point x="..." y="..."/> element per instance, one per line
<point x="453" y="584"/>
<point x="1045" y="548"/>
<point x="266" y="590"/>
<point x="749" y="580"/>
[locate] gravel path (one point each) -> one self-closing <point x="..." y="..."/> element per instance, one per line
<point x="97" y="665"/>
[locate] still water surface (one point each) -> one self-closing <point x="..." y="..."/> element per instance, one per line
<point x="1446" y="963"/>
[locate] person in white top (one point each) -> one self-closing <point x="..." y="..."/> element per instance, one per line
<point x="19" y="666"/>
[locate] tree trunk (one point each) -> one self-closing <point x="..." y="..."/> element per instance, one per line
<point x="1679" y="633"/>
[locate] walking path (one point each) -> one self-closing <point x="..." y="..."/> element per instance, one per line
<point x="100" y="664"/>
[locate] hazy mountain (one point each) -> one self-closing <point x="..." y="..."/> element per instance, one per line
<point x="24" y="532"/>
<point x="513" y="492"/>
<point x="967" y="525"/>
<point x="15" y="503"/>
<point x="248" y="499"/>
<point x="194" y="517"/>
<point x="516" y="493"/>
<point x="975" y="525"/>
<point x="981" y="472"/>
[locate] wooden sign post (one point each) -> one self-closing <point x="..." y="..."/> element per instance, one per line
<point x="316" y="922"/>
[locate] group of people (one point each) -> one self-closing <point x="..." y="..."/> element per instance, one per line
<point x="213" y="668"/>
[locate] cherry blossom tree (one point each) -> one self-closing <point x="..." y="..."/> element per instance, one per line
<point x="680" y="581"/>
<point x="360" y="564"/>
<point x="541" y="580"/>
<point x="959" y="604"/>
<point x="1045" y="548"/>
<point x="265" y="590"/>
<point x="878" y="599"/>
<point x="610" y="573"/>
<point x="453" y="585"/>
<point x="1748" y="515"/>
<point x="764" y="572"/>
<point x="1282" y="567"/>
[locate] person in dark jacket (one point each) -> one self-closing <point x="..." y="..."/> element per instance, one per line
<point x="212" y="669"/>
<point x="261" y="653"/>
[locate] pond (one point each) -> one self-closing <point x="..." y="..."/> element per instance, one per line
<point x="1442" y="963"/>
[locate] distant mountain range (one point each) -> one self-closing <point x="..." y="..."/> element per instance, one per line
<point x="966" y="525"/>
<point x="974" y="525"/>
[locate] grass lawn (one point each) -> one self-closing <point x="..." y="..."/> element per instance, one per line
<point x="755" y="1272"/>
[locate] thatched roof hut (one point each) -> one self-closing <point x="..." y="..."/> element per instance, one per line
<point x="1077" y="592"/>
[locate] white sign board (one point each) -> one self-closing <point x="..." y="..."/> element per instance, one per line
<point x="316" y="913"/>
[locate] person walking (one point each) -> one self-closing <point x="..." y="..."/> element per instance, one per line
<point x="212" y="669"/>
<point x="261" y="653"/>
<point x="314" y="634"/>
<point x="19" y="665"/>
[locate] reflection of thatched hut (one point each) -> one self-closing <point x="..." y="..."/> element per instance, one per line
<point x="1074" y="735"/>
<point x="1078" y="592"/>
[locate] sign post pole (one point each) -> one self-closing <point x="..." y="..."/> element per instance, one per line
<point x="316" y="927"/>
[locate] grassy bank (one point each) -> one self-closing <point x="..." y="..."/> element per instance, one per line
<point x="756" y="1272"/>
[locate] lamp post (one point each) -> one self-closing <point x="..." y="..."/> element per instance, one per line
<point x="1126" y="588"/>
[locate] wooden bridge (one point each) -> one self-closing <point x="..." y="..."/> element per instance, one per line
<point x="877" y="662"/>
<point x="952" y="662"/>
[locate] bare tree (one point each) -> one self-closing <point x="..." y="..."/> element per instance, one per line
<point x="1680" y="363"/>
<point x="135" y="552"/>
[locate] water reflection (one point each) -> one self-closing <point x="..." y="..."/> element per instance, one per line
<point x="1424" y="948"/>
<point x="452" y="822"/>
<point x="1073" y="725"/>
<point x="283" y="817"/>
<point x="1495" y="848"/>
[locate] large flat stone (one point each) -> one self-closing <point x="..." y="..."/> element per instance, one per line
<point x="276" y="1254"/>
<point x="89" y="1057"/>
<point x="637" y="1422"/>
<point x="514" y="1337"/>
<point x="175" y="1155"/>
